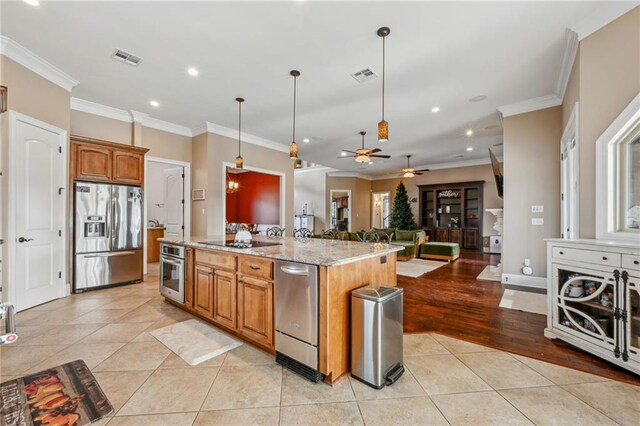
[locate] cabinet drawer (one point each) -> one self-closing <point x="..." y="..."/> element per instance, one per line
<point x="256" y="267"/>
<point x="216" y="259"/>
<point x="630" y="261"/>
<point x="587" y="256"/>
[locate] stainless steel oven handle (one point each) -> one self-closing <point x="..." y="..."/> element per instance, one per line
<point x="294" y="271"/>
<point x="111" y="254"/>
<point x="170" y="262"/>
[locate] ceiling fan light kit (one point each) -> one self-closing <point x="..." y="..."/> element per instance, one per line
<point x="383" y="126"/>
<point x="293" y="147"/>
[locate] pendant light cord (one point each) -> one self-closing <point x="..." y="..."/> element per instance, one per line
<point x="295" y="79"/>
<point x="383" y="66"/>
<point x="239" y="126"/>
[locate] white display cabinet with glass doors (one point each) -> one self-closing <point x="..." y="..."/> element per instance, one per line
<point x="594" y="298"/>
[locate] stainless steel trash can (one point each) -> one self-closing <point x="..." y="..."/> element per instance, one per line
<point x="376" y="335"/>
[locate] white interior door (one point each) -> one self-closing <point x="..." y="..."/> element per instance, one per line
<point x="174" y="202"/>
<point x="569" y="178"/>
<point x="37" y="166"/>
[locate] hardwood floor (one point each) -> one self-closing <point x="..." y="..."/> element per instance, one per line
<point x="451" y="301"/>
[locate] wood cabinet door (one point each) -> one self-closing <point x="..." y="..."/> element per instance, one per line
<point x="203" y="290"/>
<point x="471" y="238"/>
<point x="224" y="298"/>
<point x="128" y="167"/>
<point x="93" y="163"/>
<point x="188" y="277"/>
<point x="455" y="235"/>
<point x="442" y="235"/>
<point x="255" y="310"/>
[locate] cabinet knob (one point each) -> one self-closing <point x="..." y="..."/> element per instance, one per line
<point x="604" y="257"/>
<point x="636" y="262"/>
<point x="561" y="252"/>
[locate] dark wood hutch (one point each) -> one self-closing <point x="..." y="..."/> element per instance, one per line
<point x="453" y="213"/>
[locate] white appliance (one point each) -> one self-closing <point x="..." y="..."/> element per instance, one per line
<point x="495" y="244"/>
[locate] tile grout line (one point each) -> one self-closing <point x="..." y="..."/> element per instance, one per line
<point x="588" y="404"/>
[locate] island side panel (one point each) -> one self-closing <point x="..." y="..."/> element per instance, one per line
<point x="336" y="284"/>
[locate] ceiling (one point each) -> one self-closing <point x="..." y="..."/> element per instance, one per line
<point x="438" y="54"/>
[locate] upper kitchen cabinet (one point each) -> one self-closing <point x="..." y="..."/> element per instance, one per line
<point x="100" y="161"/>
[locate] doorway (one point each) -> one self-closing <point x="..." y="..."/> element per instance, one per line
<point x="380" y="209"/>
<point x="569" y="174"/>
<point x="167" y="207"/>
<point x="36" y="161"/>
<point x="341" y="209"/>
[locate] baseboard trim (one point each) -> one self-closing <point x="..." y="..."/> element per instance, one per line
<point x="524" y="280"/>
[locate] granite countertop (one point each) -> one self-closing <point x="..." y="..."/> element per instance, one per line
<point x="312" y="251"/>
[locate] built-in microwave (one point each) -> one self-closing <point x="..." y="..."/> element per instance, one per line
<point x="172" y="272"/>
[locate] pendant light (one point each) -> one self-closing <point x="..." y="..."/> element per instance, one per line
<point x="293" y="147"/>
<point x="383" y="126"/>
<point x="239" y="159"/>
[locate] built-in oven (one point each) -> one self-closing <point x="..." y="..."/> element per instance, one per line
<point x="172" y="272"/>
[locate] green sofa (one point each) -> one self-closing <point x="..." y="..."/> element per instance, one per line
<point x="410" y="241"/>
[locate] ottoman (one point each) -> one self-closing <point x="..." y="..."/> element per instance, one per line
<point x="440" y="251"/>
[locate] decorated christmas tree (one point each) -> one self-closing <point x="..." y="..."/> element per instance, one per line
<point x="402" y="216"/>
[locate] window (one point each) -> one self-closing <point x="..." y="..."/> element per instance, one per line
<point x="618" y="177"/>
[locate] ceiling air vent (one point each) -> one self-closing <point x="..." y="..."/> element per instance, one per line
<point x="364" y="75"/>
<point x="126" y="57"/>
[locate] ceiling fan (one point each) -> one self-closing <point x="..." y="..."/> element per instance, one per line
<point x="363" y="155"/>
<point x="410" y="172"/>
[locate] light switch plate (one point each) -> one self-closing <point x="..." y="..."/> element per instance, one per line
<point x="537" y="209"/>
<point x="537" y="221"/>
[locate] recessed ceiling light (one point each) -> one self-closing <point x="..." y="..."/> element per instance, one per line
<point x="344" y="154"/>
<point x="193" y="71"/>
<point x="469" y="148"/>
<point x="155" y="104"/>
<point x="305" y="140"/>
<point x="435" y="109"/>
<point x="469" y="132"/>
<point x="32" y="2"/>
<point x="478" y="98"/>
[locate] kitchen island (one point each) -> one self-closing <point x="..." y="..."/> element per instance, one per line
<point x="233" y="288"/>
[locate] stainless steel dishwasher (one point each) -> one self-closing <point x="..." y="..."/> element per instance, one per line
<point x="296" y="318"/>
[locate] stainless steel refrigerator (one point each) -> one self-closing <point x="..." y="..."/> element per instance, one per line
<point x="108" y="235"/>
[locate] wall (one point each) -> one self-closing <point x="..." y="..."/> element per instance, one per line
<point x="167" y="145"/>
<point x="360" y="201"/>
<point x="199" y="180"/>
<point x="98" y="127"/>
<point x="609" y="75"/>
<point x="444" y="176"/>
<point x="310" y="188"/>
<point x="220" y="150"/>
<point x="256" y="201"/>
<point x="531" y="177"/>
<point x="35" y="96"/>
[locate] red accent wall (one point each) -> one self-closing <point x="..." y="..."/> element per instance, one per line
<point x="257" y="200"/>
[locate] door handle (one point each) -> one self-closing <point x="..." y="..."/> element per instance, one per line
<point x="24" y="240"/>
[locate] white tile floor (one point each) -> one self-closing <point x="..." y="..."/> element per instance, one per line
<point x="447" y="381"/>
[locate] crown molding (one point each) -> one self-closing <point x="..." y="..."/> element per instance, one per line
<point x="138" y="117"/>
<point x="350" y="174"/>
<point x="33" y="62"/>
<point x="233" y="133"/>
<point x="605" y="14"/>
<point x="440" y="166"/>
<point x="166" y="126"/>
<point x="101" y="110"/>
<point x="314" y="169"/>
<point x="568" y="58"/>
<point x="529" y="105"/>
